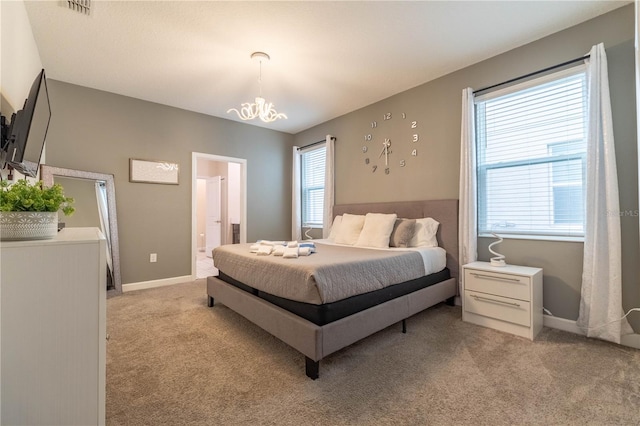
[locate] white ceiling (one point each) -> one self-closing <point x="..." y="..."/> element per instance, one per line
<point x="327" y="58"/>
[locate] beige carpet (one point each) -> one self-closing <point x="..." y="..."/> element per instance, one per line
<point x="171" y="360"/>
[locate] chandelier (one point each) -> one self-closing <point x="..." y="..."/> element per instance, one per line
<point x="260" y="108"/>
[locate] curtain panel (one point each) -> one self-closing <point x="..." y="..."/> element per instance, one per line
<point x="296" y="204"/>
<point x="468" y="229"/>
<point x="601" y="295"/>
<point x="329" y="179"/>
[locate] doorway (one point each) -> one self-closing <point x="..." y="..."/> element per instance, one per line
<point x="218" y="208"/>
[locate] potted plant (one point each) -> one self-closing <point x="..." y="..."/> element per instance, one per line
<point x="29" y="211"/>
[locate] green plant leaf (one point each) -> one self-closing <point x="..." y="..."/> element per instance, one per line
<point x="34" y="197"/>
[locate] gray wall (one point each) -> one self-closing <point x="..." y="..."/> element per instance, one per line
<point x="98" y="131"/>
<point x="435" y="174"/>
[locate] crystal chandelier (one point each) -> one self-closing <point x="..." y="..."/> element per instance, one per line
<point x="260" y="108"/>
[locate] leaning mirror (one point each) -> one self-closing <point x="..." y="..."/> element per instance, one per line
<point x="95" y="202"/>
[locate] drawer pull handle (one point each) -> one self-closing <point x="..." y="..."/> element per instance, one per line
<point x="488" y="299"/>
<point x="491" y="277"/>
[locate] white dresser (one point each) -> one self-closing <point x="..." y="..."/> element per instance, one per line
<point x="506" y="298"/>
<point x="53" y="329"/>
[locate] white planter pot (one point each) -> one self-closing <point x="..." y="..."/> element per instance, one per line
<point x="28" y="225"/>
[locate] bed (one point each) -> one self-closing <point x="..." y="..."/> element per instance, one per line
<point x="318" y="322"/>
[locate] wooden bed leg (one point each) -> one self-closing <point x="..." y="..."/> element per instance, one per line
<point x="312" y="368"/>
<point x="404" y="326"/>
<point x="451" y="301"/>
<point x="209" y="301"/>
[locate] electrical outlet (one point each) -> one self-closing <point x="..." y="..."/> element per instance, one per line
<point x="153" y="257"/>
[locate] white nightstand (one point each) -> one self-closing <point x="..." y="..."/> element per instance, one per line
<point x="506" y="298"/>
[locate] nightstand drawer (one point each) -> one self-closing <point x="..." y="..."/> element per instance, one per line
<point x="502" y="308"/>
<point x="506" y="285"/>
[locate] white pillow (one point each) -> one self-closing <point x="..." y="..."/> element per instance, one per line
<point x="424" y="233"/>
<point x="349" y="229"/>
<point x="376" y="230"/>
<point x="335" y="228"/>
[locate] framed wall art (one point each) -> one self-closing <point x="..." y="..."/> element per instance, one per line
<point x="149" y="171"/>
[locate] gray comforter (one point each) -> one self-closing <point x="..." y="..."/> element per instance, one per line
<point x="332" y="273"/>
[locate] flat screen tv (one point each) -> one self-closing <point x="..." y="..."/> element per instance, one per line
<point x="27" y="132"/>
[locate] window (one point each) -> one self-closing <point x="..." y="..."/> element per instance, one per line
<point x="531" y="157"/>
<point x="312" y="163"/>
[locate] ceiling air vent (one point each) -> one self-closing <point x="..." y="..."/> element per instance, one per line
<point x="82" y="6"/>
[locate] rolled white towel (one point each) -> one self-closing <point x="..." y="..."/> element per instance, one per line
<point x="290" y="253"/>
<point x="271" y="243"/>
<point x="304" y="251"/>
<point x="254" y="248"/>
<point x="278" y="250"/>
<point x="264" y="250"/>
<point x="311" y="246"/>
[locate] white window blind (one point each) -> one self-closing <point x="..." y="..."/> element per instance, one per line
<point x="531" y="149"/>
<point x="312" y="186"/>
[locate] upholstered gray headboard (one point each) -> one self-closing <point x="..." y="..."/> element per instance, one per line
<point x="444" y="211"/>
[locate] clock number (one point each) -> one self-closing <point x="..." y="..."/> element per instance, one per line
<point x="374" y="124"/>
<point x="414" y="153"/>
<point x="387" y="116"/>
<point x="404" y="115"/>
<point x="414" y="124"/>
<point x="402" y="163"/>
<point x="366" y="161"/>
<point x="368" y="137"/>
<point x="415" y="137"/>
<point x="364" y="149"/>
<point x="374" y="167"/>
<point x="386" y="171"/>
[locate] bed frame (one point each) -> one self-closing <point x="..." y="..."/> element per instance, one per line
<point x="317" y="342"/>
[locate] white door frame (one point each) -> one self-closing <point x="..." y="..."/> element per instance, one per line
<point x="194" y="200"/>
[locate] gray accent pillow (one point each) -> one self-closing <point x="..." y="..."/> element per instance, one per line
<point x="402" y="233"/>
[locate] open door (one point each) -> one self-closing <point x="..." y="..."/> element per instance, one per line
<point x="213" y="226"/>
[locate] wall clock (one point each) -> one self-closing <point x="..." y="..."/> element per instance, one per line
<point x="390" y="142"/>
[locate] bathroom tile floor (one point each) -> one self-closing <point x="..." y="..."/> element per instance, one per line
<point x="204" y="266"/>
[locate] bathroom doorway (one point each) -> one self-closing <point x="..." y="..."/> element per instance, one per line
<point x="218" y="208"/>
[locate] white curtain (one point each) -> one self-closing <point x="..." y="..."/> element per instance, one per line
<point x="296" y="206"/>
<point x="601" y="296"/>
<point x="468" y="231"/>
<point x="329" y="197"/>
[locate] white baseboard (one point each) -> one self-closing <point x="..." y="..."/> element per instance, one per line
<point x="631" y="340"/>
<point x="156" y="283"/>
<point x="562" y="324"/>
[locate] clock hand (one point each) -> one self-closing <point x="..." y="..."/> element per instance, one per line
<point x="385" y="147"/>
